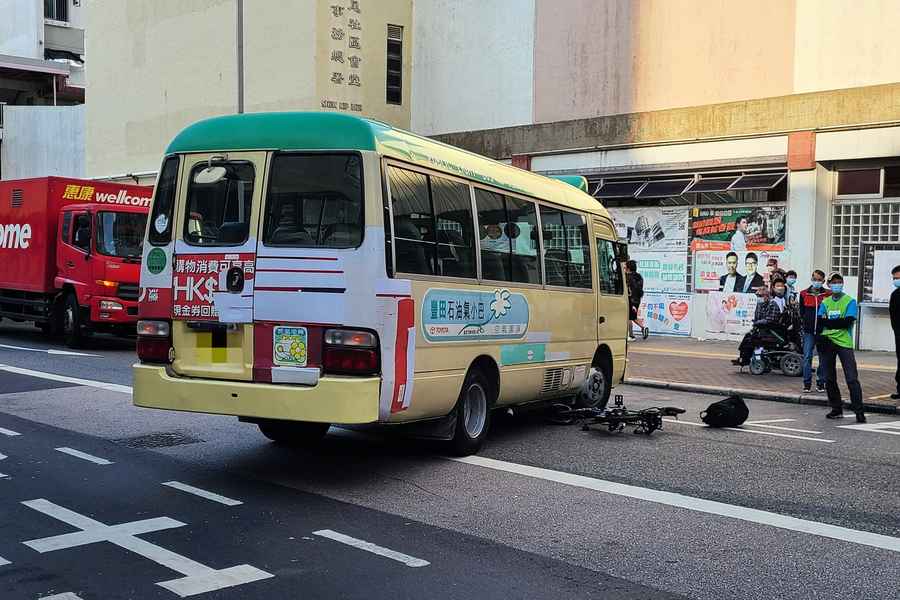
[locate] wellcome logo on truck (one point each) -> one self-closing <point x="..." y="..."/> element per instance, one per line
<point x="15" y="236"/>
<point x="122" y="198"/>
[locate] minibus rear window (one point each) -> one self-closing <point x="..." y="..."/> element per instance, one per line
<point x="315" y="200"/>
<point x="218" y="212"/>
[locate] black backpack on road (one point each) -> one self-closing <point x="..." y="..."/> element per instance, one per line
<point x="730" y="412"/>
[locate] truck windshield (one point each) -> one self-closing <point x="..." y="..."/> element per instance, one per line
<point x="120" y="233"/>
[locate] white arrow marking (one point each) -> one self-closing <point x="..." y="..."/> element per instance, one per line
<point x="50" y="351"/>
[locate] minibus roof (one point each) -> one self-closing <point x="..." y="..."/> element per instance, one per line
<point x="338" y="131"/>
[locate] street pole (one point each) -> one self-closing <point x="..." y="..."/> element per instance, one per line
<point x="240" y="56"/>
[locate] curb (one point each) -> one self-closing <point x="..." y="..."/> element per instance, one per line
<point x="757" y="394"/>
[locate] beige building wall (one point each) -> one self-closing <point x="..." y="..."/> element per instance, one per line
<point x="159" y="65"/>
<point x="843" y="44"/>
<point x="605" y="57"/>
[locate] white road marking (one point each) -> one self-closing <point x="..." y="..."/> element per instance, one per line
<point x="202" y="493"/>
<point x="65" y="596"/>
<point x="8" y="432"/>
<point x="84" y="456"/>
<point x="890" y="427"/>
<point x="769" y="421"/>
<point x="50" y="351"/>
<point x="409" y="561"/>
<point x="692" y="503"/>
<point x="113" y="387"/>
<point x="784" y="435"/>
<point x="4" y="562"/>
<point x="2" y="476"/>
<point x="198" y="578"/>
<point x="784" y="428"/>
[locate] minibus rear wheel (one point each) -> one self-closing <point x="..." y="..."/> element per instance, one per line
<point x="473" y="414"/>
<point x="293" y="433"/>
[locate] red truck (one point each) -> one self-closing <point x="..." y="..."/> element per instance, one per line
<point x="70" y="254"/>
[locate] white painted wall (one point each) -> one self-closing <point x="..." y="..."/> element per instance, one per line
<point x="473" y="65"/>
<point x="21" y="28"/>
<point x="878" y="142"/>
<point x="42" y="140"/>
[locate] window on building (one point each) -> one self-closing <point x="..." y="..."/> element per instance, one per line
<point x="394" y="82"/>
<point x="57" y="10"/>
<point x="609" y="268"/>
<point x="859" y="182"/>
<point x="892" y="182"/>
<point x="856" y="222"/>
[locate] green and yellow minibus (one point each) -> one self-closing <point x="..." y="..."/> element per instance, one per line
<point x="308" y="269"/>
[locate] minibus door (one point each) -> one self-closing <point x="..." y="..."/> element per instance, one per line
<point x="612" y="301"/>
<point x="216" y="223"/>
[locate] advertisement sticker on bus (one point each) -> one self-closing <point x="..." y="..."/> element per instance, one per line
<point x="454" y="315"/>
<point x="197" y="277"/>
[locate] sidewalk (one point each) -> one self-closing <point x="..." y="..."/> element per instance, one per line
<point x="705" y="366"/>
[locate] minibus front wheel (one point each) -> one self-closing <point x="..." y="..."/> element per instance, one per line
<point x="293" y="433"/>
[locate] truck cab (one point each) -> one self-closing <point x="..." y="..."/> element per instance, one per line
<point x="98" y="257"/>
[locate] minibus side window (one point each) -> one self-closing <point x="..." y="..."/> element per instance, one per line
<point x="160" y="232"/>
<point x="567" y="251"/>
<point x="578" y="249"/>
<point x="413" y="221"/>
<point x="218" y="213"/>
<point x="609" y="268"/>
<point x="314" y="200"/>
<point x="508" y="238"/>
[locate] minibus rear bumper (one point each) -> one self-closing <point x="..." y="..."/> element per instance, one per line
<point x="338" y="400"/>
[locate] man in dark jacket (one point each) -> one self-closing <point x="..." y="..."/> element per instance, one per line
<point x="895" y="324"/>
<point x="810" y="300"/>
<point x="635" y="283"/>
<point x="732" y="281"/>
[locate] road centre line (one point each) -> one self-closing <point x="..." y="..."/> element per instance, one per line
<point x="784" y="435"/>
<point x="84" y="456"/>
<point x="113" y="387"/>
<point x="409" y="561"/>
<point x="784" y="428"/>
<point x="202" y="493"/>
<point x="769" y="421"/>
<point x="691" y="503"/>
<point x="8" y="432"/>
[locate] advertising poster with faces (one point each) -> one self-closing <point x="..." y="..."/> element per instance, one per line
<point x="729" y="315"/>
<point x="715" y="270"/>
<point x="652" y="228"/>
<point x="665" y="314"/>
<point x="740" y="229"/>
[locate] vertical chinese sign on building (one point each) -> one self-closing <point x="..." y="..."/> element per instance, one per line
<point x="343" y="32"/>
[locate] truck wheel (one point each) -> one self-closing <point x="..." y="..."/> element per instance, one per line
<point x="293" y="433"/>
<point x="473" y="414"/>
<point x="71" y="322"/>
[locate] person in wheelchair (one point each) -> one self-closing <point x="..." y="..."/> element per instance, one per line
<point x="776" y="325"/>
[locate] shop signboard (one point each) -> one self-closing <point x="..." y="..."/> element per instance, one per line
<point x="662" y="271"/>
<point x="742" y="228"/>
<point x="652" y="228"/>
<point x="665" y="314"/>
<point x="729" y="315"/>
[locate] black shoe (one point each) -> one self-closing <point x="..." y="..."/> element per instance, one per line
<point x="645" y="332"/>
<point x="807" y="388"/>
<point x="820" y="388"/>
<point x="835" y="414"/>
<point x="895" y="396"/>
<point x="736" y="362"/>
<point x="860" y="417"/>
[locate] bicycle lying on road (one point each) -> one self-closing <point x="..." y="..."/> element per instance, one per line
<point x="645" y="421"/>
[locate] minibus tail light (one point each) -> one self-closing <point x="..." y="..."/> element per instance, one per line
<point x="350" y="352"/>
<point x="154" y="341"/>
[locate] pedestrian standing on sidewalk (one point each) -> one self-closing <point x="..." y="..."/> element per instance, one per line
<point x="837" y="314"/>
<point x="635" y="293"/>
<point x="810" y="300"/>
<point x="791" y="280"/>
<point x="895" y="324"/>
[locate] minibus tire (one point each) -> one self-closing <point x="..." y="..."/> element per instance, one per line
<point x="477" y="395"/>
<point x="293" y="433"/>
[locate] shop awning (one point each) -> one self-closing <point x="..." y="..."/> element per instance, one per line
<point x="35" y="65"/>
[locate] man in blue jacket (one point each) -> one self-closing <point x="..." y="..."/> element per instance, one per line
<point x="810" y="300"/>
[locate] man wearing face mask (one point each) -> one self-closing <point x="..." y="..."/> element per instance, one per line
<point x="837" y="314"/>
<point x="791" y="280"/>
<point x="810" y="300"/>
<point x="895" y="324"/>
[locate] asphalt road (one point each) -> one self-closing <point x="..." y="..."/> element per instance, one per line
<point x="789" y="506"/>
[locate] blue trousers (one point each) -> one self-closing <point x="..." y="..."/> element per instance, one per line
<point x="809" y="349"/>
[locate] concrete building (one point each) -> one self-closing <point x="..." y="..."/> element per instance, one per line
<point x="42" y="81"/>
<point x="686" y="116"/>
<point x="162" y="64"/>
<point x="692" y="120"/>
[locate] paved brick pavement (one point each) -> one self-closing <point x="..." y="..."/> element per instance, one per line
<point x="706" y="366"/>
